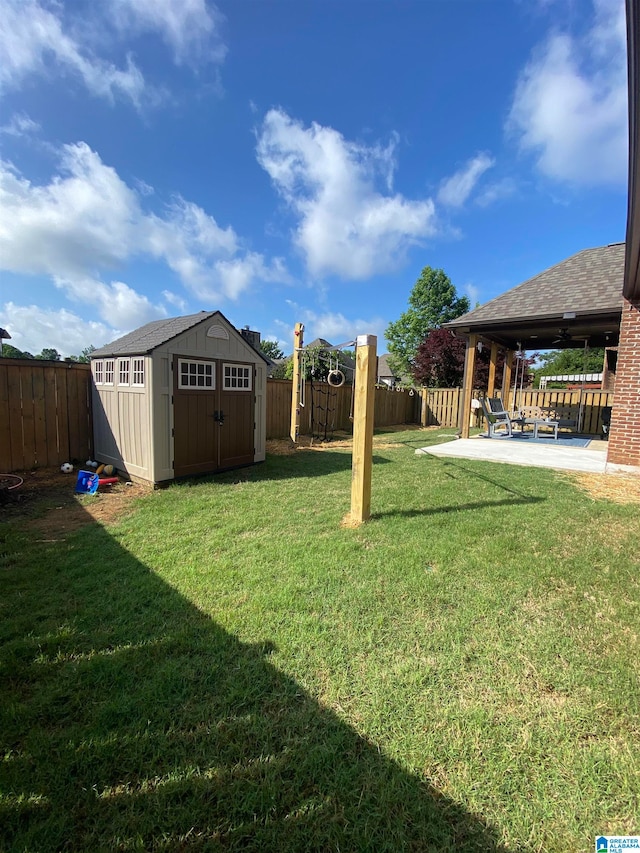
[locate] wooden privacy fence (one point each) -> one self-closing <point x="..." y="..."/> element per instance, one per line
<point x="391" y="407"/>
<point x="45" y="413"/>
<point x="440" y="406"/>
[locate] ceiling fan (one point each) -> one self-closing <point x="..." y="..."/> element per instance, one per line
<point x="564" y="337"/>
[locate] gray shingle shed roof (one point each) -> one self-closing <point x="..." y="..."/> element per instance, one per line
<point x="152" y="335"/>
<point x="588" y="282"/>
<point x="147" y="338"/>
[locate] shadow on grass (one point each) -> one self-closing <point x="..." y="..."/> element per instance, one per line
<point x="303" y="463"/>
<point x="131" y="720"/>
<point x="468" y="507"/>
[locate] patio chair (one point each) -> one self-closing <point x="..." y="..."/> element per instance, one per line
<point x="499" y="421"/>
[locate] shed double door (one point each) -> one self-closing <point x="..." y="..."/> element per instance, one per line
<point x="213" y="414"/>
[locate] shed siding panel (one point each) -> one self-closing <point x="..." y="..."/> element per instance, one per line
<point x="162" y="414"/>
<point x="134" y="432"/>
<point x="105" y="426"/>
<point x="260" y="413"/>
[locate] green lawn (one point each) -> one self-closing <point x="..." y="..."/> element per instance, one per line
<point x="228" y="668"/>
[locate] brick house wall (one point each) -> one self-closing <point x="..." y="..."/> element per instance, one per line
<point x="624" y="438"/>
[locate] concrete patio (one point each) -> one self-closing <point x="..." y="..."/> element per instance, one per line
<point x="591" y="459"/>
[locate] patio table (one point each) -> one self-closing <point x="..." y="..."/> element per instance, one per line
<point x="536" y="423"/>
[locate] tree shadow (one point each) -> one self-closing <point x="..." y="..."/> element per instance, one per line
<point x="131" y="720"/>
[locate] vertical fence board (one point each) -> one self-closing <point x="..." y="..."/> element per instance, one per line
<point x="14" y="403"/>
<point x="39" y="417"/>
<point x="51" y="417"/>
<point x="6" y="461"/>
<point x="61" y="416"/>
<point x="72" y="416"/>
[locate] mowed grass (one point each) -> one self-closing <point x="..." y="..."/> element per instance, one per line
<point x="229" y="668"/>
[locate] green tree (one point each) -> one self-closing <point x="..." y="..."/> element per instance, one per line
<point x="432" y="302"/>
<point x="272" y="350"/>
<point x="9" y="351"/>
<point x="49" y="354"/>
<point x="556" y="362"/>
<point x="85" y="355"/>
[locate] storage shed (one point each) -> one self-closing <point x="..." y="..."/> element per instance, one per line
<point x="180" y="396"/>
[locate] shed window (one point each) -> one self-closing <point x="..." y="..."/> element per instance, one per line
<point x="108" y="372"/>
<point x="123" y="371"/>
<point x="236" y="377"/>
<point x="98" y="372"/>
<point x="196" y="374"/>
<point x="138" y="371"/>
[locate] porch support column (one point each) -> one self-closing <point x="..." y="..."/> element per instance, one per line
<point x="467" y="386"/>
<point x="493" y="363"/>
<point x="506" y="377"/>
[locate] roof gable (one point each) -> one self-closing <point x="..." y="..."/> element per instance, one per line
<point x="588" y="282"/>
<point x="152" y="335"/>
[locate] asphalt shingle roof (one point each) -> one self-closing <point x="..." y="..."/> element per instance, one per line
<point x="587" y="282"/>
<point x="154" y="334"/>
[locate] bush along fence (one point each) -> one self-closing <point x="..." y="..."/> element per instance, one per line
<point x="440" y="406"/>
<point x="45" y="413"/>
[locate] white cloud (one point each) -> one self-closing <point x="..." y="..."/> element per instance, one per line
<point x="175" y="300"/>
<point x="332" y="326"/>
<point x="189" y="27"/>
<point x="345" y="225"/>
<point x="570" y="104"/>
<point x="496" y="191"/>
<point x="117" y="303"/>
<point x="20" y="125"/>
<point x="454" y="191"/>
<point x="32" y="37"/>
<point x="472" y="291"/>
<point x="32" y="328"/>
<point x="39" y="37"/>
<point x="87" y="221"/>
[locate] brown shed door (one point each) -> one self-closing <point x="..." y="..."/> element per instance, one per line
<point x="213" y="415"/>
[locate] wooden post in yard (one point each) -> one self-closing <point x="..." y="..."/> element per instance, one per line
<point x="506" y="377"/>
<point x="362" y="458"/>
<point x="294" y="431"/>
<point x="467" y="386"/>
<point x="493" y="363"/>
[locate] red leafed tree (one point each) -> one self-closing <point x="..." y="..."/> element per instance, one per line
<point x="439" y="363"/>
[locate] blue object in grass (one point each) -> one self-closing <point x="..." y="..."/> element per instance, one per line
<point x="87" y="482"/>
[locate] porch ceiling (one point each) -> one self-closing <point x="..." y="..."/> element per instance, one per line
<point x="540" y="333"/>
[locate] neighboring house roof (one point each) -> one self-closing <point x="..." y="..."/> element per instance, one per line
<point x="582" y="293"/>
<point x="321" y="343"/>
<point x="149" y="337"/>
<point x="384" y="370"/>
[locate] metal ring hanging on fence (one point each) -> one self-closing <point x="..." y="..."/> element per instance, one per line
<point x="335" y="378"/>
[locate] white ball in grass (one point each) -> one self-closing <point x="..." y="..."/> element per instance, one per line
<point x="66" y="467"/>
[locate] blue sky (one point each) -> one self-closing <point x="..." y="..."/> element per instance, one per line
<point x="299" y="160"/>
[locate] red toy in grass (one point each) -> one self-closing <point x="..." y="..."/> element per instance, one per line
<point x="107" y="481"/>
